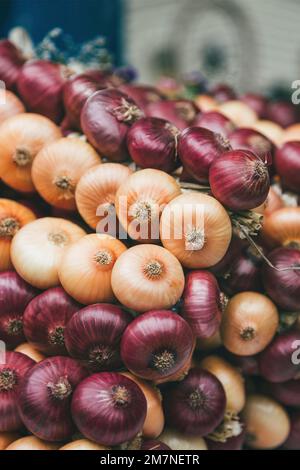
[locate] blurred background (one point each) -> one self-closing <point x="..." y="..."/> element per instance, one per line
<point x="250" y="44"/>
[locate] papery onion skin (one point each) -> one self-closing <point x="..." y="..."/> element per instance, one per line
<point x="11" y="62"/>
<point x="6" y="438"/>
<point x="154" y="445"/>
<point x="215" y="122"/>
<point x="83" y="444"/>
<point x="198" y="148"/>
<point x="270" y="129"/>
<point x="78" y="89"/>
<point x="118" y="408"/>
<point x="152" y="143"/>
<point x="179" y="441"/>
<point x="201" y="306"/>
<point x="247" y="365"/>
<point x="147" y="277"/>
<point x="45" y="397"/>
<point x="196" y="228"/>
<point x="45" y="319"/>
<point x="279" y="362"/>
<point x="257" y="102"/>
<point x="238" y="112"/>
<point x="143" y="95"/>
<point x="239" y="180"/>
<point x="223" y="92"/>
<point x="104" y="122"/>
<point x="40" y="85"/>
<point x="21" y="138"/>
<point x="232" y="443"/>
<point x="196" y="405"/>
<point x="293" y="440"/>
<point x="58" y="167"/>
<point x="234" y="250"/>
<point x="267" y="423"/>
<point x="249" y="323"/>
<point x="28" y="350"/>
<point x="31" y="443"/>
<point x="282" y="227"/>
<point x="96" y="191"/>
<point x="157" y="345"/>
<point x="283" y="113"/>
<point x="15" y="295"/>
<point x="244" y="274"/>
<point x="287" y="393"/>
<point x="291" y="133"/>
<point x="287" y="163"/>
<point x="94" y="333"/>
<point x="181" y="113"/>
<point x="11" y="107"/>
<point x="273" y="203"/>
<point x="38" y="247"/>
<point x="283" y="286"/>
<point x="12" y="371"/>
<point x="206" y="103"/>
<point x="248" y="139"/>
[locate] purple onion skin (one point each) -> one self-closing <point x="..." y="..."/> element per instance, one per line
<point x="11" y="62"/>
<point x="215" y="122"/>
<point x="184" y="407"/>
<point x="149" y="335"/>
<point x="293" y="441"/>
<point x="104" y="125"/>
<point x="181" y="113"/>
<point x="234" y="250"/>
<point x="44" y="414"/>
<point x="249" y="139"/>
<point x="283" y="113"/>
<point x="287" y="393"/>
<point x="100" y="327"/>
<point x="152" y="143"/>
<point x="233" y="443"/>
<point x="201" y="306"/>
<point x="258" y="103"/>
<point x="287" y="164"/>
<point x="154" y="445"/>
<point x="45" y="319"/>
<point x="283" y="286"/>
<point x="276" y="361"/>
<point x="104" y="420"/>
<point x="40" y="86"/>
<point x="19" y="364"/>
<point x="15" y="295"/>
<point x="223" y="92"/>
<point x="248" y="365"/>
<point x="198" y="148"/>
<point x="143" y="95"/>
<point x="77" y="90"/>
<point x="239" y="180"/>
<point x="243" y="275"/>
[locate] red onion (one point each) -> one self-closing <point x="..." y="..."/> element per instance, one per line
<point x="45" y="320"/>
<point x="215" y="122"/>
<point x="283" y="286"/>
<point x="105" y="120"/>
<point x="293" y="440"/>
<point x="287" y="163"/>
<point x="239" y="180"/>
<point x="154" y="445"/>
<point x="223" y="92"/>
<point x="287" y="393"/>
<point x="181" y="113"/>
<point x="283" y="113"/>
<point x="78" y="89"/>
<point x="11" y="62"/>
<point x="257" y="102"/>
<point x="248" y="365"/>
<point x="234" y="250"/>
<point x="229" y="435"/>
<point x="142" y="95"/>
<point x="249" y="139"/>
<point x="157" y="345"/>
<point x="94" y="334"/>
<point x="109" y="408"/>
<point x="201" y="305"/>
<point x="233" y="443"/>
<point x="277" y="362"/>
<point x="45" y="397"/>
<point x="196" y="405"/>
<point x="152" y="143"/>
<point x="11" y="373"/>
<point x="40" y="85"/>
<point x="198" y="148"/>
<point x="15" y="294"/>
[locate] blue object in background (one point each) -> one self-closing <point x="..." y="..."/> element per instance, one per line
<point x="82" y="19"/>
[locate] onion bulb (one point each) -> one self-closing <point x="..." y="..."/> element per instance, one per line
<point x="270" y="129"/>
<point x="83" y="444"/>
<point x="86" y="268"/>
<point x="96" y="192"/>
<point x="267" y="423"/>
<point x="11" y="107"/>
<point x="21" y="138"/>
<point x="13" y="216"/>
<point x="37" y="249"/>
<point x="291" y="133"/>
<point x="196" y="229"/>
<point x="287" y="163"/>
<point x="238" y="112"/>
<point x="147" y="277"/>
<point x="249" y="323"/>
<point x="140" y="201"/>
<point x="6" y="438"/>
<point x="282" y="227"/>
<point x="180" y="441"/>
<point x="31" y="443"/>
<point x="58" y="167"/>
<point x="30" y="351"/>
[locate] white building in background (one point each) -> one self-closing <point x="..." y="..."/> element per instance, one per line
<point x="249" y="43"/>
